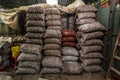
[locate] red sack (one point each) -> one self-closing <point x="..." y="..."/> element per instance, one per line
<point x="72" y="44"/>
<point x="68" y="33"/>
<point x="68" y="39"/>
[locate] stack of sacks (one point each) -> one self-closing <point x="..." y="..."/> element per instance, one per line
<point x="52" y="62"/>
<point x="70" y="53"/>
<point x="68" y="38"/>
<point x="35" y="25"/>
<point x="30" y="57"/>
<point x="89" y="38"/>
<point x="4" y="54"/>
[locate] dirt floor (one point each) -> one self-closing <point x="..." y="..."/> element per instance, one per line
<point x="83" y="76"/>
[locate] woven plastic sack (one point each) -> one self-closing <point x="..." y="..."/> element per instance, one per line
<point x="26" y="70"/>
<point x="92" y="68"/>
<point x="36" y="9"/>
<point x="35" y="41"/>
<point x="95" y="26"/>
<point x="93" y="42"/>
<point x="69" y="58"/>
<point x="55" y="27"/>
<point x="34" y="35"/>
<point x="71" y="44"/>
<point x="52" y="41"/>
<point x="52" y="17"/>
<point x="91" y="55"/>
<point x="72" y="68"/>
<point x="88" y="49"/>
<point x="86" y="15"/>
<point x="93" y="35"/>
<point x="52" y="11"/>
<point x="70" y="51"/>
<point x="68" y="39"/>
<point x="50" y="70"/>
<point x="53" y="23"/>
<point x="52" y="47"/>
<point x="30" y="48"/>
<point x="86" y="8"/>
<point x="29" y="64"/>
<point x="49" y="33"/>
<point x="87" y="62"/>
<point x="35" y="29"/>
<point x="35" y="23"/>
<point x="68" y="33"/>
<point x="84" y="21"/>
<point x="52" y="53"/>
<point x="52" y="62"/>
<point x="35" y="16"/>
<point x="29" y="57"/>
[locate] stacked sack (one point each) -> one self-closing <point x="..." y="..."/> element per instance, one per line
<point x="30" y="57"/>
<point x="52" y="62"/>
<point x="70" y="53"/>
<point x="4" y="54"/>
<point x="89" y="38"/>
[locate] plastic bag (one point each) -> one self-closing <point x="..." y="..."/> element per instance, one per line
<point x="52" y="17"/>
<point x="53" y="23"/>
<point x="35" y="41"/>
<point x="35" y="16"/>
<point x="70" y="51"/>
<point x="31" y="48"/>
<point x="52" y="47"/>
<point x="68" y="39"/>
<point x="50" y="70"/>
<point x="52" y="11"/>
<point x="72" y="44"/>
<point x="35" y="29"/>
<point x="69" y="58"/>
<point x="86" y="8"/>
<point x="68" y="33"/>
<point x="52" y="62"/>
<point x="29" y="57"/>
<point x="52" y="53"/>
<point x="52" y="41"/>
<point x="55" y="27"/>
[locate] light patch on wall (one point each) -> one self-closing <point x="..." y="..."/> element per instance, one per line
<point x="52" y="2"/>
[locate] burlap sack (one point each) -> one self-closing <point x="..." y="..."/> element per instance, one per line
<point x="49" y="33"/>
<point x="92" y="68"/>
<point x="87" y="62"/>
<point x="52" y="11"/>
<point x="72" y="68"/>
<point x="69" y="58"/>
<point x="93" y="42"/>
<point x="95" y="26"/>
<point x="52" y="62"/>
<point x="35" y="41"/>
<point x="34" y="35"/>
<point x="26" y="70"/>
<point x="52" y="53"/>
<point x="88" y="49"/>
<point x="93" y="35"/>
<point x="29" y="57"/>
<point x="90" y="55"/>
<point x="86" y="15"/>
<point x="50" y="70"/>
<point x="53" y="23"/>
<point x="52" y="41"/>
<point x="35" y="23"/>
<point x="86" y="8"/>
<point x="35" y="9"/>
<point x="29" y="64"/>
<point x="52" y="47"/>
<point x="35" y="29"/>
<point x="84" y="21"/>
<point x="70" y="51"/>
<point x="30" y="48"/>
<point x="55" y="27"/>
<point x="35" y="16"/>
<point x="52" y="17"/>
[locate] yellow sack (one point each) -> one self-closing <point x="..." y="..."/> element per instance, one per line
<point x="15" y="51"/>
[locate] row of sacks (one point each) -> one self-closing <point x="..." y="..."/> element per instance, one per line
<point x="30" y="57"/>
<point x="52" y="62"/>
<point x="89" y="38"/>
